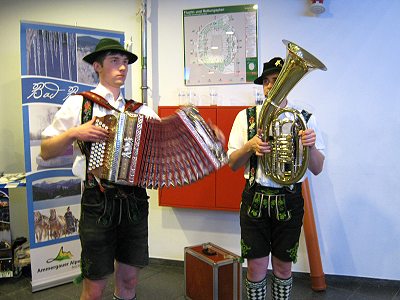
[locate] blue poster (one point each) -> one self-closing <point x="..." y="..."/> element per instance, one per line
<point x="51" y="70"/>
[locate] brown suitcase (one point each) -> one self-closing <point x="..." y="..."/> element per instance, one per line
<point x="212" y="273"/>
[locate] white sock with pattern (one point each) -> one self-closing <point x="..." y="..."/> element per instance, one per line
<point x="281" y="288"/>
<point x="256" y="290"/>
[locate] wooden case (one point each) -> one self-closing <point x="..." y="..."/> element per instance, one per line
<point x="212" y="273"/>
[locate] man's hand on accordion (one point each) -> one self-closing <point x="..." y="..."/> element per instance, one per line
<point x="55" y="146"/>
<point x="88" y="132"/>
<point x="218" y="132"/>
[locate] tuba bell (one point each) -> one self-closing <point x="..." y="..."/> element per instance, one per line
<point x="288" y="160"/>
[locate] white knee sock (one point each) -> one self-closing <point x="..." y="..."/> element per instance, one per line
<point x="256" y="290"/>
<point x="281" y="288"/>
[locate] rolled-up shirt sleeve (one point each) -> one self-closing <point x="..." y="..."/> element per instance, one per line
<point x="238" y="135"/>
<point x="67" y="117"/>
<point x="319" y="143"/>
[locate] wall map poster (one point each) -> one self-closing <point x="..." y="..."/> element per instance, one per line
<point x="220" y="45"/>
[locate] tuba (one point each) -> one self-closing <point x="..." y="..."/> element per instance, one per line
<point x="288" y="160"/>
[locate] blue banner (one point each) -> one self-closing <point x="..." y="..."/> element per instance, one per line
<point x="39" y="89"/>
<point x="51" y="70"/>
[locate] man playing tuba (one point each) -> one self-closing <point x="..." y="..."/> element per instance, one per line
<point x="271" y="215"/>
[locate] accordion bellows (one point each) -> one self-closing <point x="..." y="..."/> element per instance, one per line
<point x="178" y="150"/>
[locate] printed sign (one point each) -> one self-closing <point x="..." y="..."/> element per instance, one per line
<point x="220" y="45"/>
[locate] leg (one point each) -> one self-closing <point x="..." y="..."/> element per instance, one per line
<point x="255" y="247"/>
<point x="126" y="278"/>
<point x="132" y="251"/>
<point x="93" y="289"/>
<point x="285" y="243"/>
<point x="256" y="281"/>
<point x="98" y="243"/>
<point x="257" y="268"/>
<point x="281" y="269"/>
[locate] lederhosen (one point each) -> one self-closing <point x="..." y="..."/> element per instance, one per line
<point x="270" y="218"/>
<point x="107" y="206"/>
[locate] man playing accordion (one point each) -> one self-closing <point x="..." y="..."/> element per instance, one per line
<point x="114" y="219"/>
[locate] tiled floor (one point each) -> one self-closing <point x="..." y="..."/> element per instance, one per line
<point x="164" y="280"/>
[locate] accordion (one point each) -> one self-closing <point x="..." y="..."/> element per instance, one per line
<point x="176" y="150"/>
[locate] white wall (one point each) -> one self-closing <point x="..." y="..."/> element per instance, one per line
<point x="356" y="103"/>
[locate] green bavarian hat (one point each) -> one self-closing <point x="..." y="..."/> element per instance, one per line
<point x="106" y="45"/>
<point x="273" y="66"/>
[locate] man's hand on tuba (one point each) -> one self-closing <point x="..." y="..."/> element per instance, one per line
<point x="258" y="146"/>
<point x="308" y="137"/>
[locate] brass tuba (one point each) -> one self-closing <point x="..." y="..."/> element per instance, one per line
<point x="288" y="160"/>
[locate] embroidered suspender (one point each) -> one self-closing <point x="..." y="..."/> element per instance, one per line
<point x="252" y="131"/>
<point x="130" y="105"/>
<point x="306" y="115"/>
<point x="87" y="112"/>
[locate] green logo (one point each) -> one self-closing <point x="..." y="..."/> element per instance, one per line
<point x="61" y="256"/>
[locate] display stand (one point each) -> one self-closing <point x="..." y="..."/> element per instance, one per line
<point x="7" y="181"/>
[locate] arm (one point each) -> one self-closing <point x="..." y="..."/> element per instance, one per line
<point x="239" y="157"/>
<point x="316" y="162"/>
<point x="56" y="145"/>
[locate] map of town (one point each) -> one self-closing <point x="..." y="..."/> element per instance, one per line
<point x="220" y="45"/>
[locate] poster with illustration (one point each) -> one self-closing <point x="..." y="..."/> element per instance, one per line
<point x="51" y="70"/>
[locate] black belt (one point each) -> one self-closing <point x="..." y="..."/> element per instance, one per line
<point x="293" y="189"/>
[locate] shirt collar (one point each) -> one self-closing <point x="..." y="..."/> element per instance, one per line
<point x="106" y="94"/>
